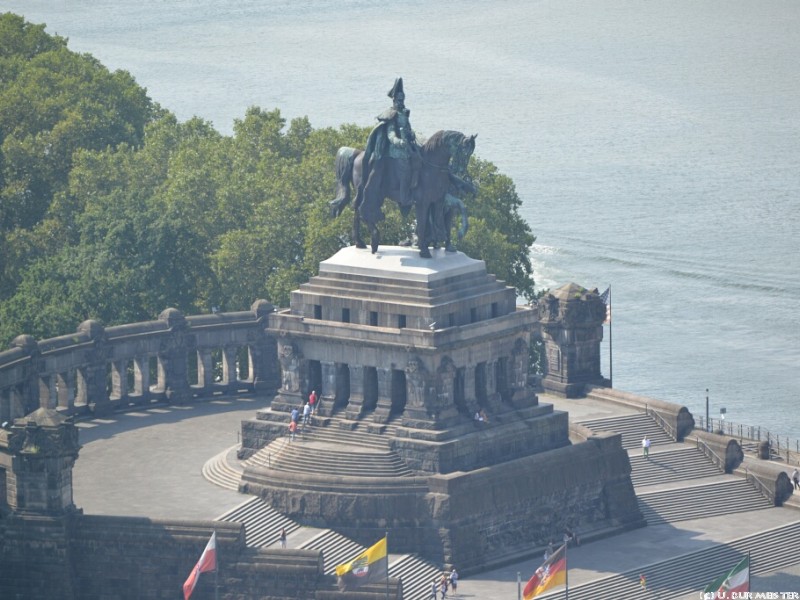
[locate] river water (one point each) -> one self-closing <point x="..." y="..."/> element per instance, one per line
<point x="654" y="145"/>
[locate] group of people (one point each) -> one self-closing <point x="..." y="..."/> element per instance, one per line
<point x="309" y="410"/>
<point x="444" y="584"/>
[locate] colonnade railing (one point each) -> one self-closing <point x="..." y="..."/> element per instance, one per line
<point x="174" y="359"/>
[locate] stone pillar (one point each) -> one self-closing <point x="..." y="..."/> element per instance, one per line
<point x="47" y="391"/>
<point x="172" y="357"/>
<point x="65" y="389"/>
<point x="205" y="371"/>
<point x="119" y="380"/>
<point x="493" y="399"/>
<point x="92" y="376"/>
<point x="25" y="396"/>
<point x="264" y="371"/>
<point x="229" y="375"/>
<point x="522" y="394"/>
<point x="43" y="447"/>
<point x="290" y="394"/>
<point x="141" y="376"/>
<point x="356" y="402"/>
<point x="444" y="409"/>
<point x="420" y="395"/>
<point x="572" y="329"/>
<point x="327" y="393"/>
<point x="384" y="408"/>
<point x="470" y="399"/>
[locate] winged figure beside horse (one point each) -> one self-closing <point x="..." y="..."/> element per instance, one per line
<point x="394" y="165"/>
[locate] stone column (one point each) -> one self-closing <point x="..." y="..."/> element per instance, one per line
<point x="444" y="409"/>
<point x="65" y="384"/>
<point x="141" y="377"/>
<point x="384" y="407"/>
<point x="469" y="390"/>
<point x="264" y="369"/>
<point x="172" y="357"/>
<point x="47" y="391"/>
<point x="356" y="402"/>
<point x="327" y="394"/>
<point x="492" y="396"/>
<point x="205" y="371"/>
<point x="522" y="395"/>
<point x="119" y="381"/>
<point x="229" y="375"/>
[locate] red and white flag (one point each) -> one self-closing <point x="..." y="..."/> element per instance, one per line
<point x="207" y="562"/>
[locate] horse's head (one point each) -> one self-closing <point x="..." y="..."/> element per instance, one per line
<point x="461" y="151"/>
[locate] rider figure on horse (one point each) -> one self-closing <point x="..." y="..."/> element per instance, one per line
<point x="393" y="138"/>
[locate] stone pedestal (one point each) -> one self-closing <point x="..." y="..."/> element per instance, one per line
<point x="571" y="320"/>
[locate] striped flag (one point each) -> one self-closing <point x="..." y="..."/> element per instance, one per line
<point x="369" y="566"/>
<point x="553" y="572"/>
<point x="606" y="298"/>
<point x="737" y="580"/>
<point x="207" y="562"/>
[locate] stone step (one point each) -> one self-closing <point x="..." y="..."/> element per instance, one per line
<point x="682" y="575"/>
<point x="219" y="471"/>
<point x="417" y="574"/>
<point x="336" y="549"/>
<point x="673" y="465"/>
<point x="262" y="523"/>
<point x="700" y="501"/>
<point x="633" y="428"/>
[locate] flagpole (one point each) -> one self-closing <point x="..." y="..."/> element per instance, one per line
<point x="610" y="342"/>
<point x="387" y="564"/>
<point x="216" y="569"/>
<point x="566" y="571"/>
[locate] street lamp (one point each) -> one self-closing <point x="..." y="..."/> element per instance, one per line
<point x="708" y="424"/>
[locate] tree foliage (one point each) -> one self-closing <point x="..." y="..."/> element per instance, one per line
<point x="113" y="210"/>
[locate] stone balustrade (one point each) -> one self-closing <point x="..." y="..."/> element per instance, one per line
<point x="174" y="359"/>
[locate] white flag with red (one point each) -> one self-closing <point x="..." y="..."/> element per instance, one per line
<point x="207" y="562"/>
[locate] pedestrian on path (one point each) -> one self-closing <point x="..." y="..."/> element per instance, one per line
<point x="643" y="582"/>
<point x="796" y="479"/>
<point x="435" y="590"/>
<point x="646" y="447"/>
<point x="312" y="401"/>
<point x="454" y="581"/>
<point x="295" y="414"/>
<point x="283" y="538"/>
<point x="443" y="582"/>
<point x="292" y="430"/>
<point x="306" y="413"/>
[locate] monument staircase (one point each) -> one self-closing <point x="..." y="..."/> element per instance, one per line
<point x="658" y="479"/>
<point x="685" y="575"/>
<point x="263" y="524"/>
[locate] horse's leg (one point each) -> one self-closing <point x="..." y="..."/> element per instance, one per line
<point x="375" y="238"/>
<point x="357" y="240"/>
<point x="423" y="227"/>
<point x="358" y="178"/>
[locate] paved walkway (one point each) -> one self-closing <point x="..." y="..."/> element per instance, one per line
<point x="148" y="463"/>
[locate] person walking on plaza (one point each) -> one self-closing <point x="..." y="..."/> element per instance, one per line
<point x="454" y="581"/>
<point x="443" y="583"/>
<point x="435" y="589"/>
<point x="646" y="447"/>
<point x="283" y="538"/>
<point x="796" y="479"/>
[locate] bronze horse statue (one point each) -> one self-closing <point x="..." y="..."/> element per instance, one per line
<point x="442" y="162"/>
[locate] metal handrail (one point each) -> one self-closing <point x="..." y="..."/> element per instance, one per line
<point x="760" y="486"/>
<point x="671" y="432"/>
<point x="715" y="458"/>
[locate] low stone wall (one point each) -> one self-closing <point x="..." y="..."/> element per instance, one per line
<point x="676" y="416"/>
<point x="726" y="448"/>
<point x="98" y="557"/>
<point x="476" y="519"/>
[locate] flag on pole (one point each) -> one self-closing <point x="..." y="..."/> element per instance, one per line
<point x="606" y="298"/>
<point x="737" y="580"/>
<point x="369" y="566"/>
<point x="553" y="572"/>
<point x="207" y="562"/>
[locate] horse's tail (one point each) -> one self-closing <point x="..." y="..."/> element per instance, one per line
<point x="345" y="158"/>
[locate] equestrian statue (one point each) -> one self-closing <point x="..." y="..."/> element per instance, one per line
<point x="395" y="165"/>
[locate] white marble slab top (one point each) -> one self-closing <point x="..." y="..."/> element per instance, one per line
<point x="400" y="263"/>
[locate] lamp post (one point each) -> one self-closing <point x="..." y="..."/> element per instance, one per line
<point x="708" y="425"/>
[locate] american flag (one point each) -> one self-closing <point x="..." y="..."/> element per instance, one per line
<point x="606" y="298"/>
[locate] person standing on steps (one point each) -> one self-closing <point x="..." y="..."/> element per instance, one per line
<point x="292" y="429"/>
<point x="454" y="581"/>
<point x="646" y="447"/>
<point x="283" y="536"/>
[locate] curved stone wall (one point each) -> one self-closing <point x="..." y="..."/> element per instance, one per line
<point x="174" y="359"/>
